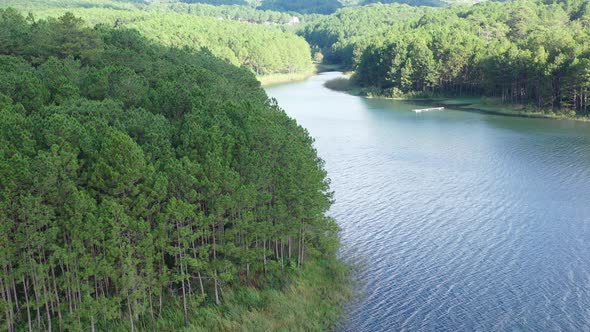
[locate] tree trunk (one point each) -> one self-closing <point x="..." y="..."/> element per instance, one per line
<point x="47" y="309"/>
<point x="130" y="314"/>
<point x="216" y="290"/>
<point x="184" y="305"/>
<point x="25" y="286"/>
<point x="264" y="255"/>
<point x="290" y="245"/>
<point x="7" y="299"/>
<point x="201" y="284"/>
<point x="59" y="317"/>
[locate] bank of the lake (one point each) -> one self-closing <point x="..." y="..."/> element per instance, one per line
<point x="497" y="107"/>
<point x="281" y="78"/>
<point x="272" y="79"/>
<point x="312" y="299"/>
<point x="473" y="104"/>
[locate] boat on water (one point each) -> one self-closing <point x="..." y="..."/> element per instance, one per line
<point x="420" y="110"/>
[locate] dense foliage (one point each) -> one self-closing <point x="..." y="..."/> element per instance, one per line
<point x="429" y="3"/>
<point x="291" y="6"/>
<point x="317" y="6"/>
<point x="526" y="52"/>
<point x="302" y="6"/>
<point x="246" y="7"/>
<point x="263" y="50"/>
<point x="320" y="6"/>
<point x="342" y="37"/>
<point x="233" y="12"/>
<point x="230" y="12"/>
<point x="135" y="177"/>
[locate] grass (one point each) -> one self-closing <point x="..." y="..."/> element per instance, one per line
<point x="322" y="67"/>
<point x="339" y="84"/>
<point x="311" y="300"/>
<point x="272" y="79"/>
<point x="496" y="106"/>
<point x="344" y="84"/>
<point x="475" y="104"/>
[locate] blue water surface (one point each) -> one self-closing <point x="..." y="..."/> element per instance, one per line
<point x="454" y="220"/>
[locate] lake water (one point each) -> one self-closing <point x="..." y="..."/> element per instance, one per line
<point x="455" y="221"/>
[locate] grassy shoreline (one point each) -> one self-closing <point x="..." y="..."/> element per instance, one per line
<point x="274" y="79"/>
<point x="311" y="300"/>
<point x="495" y="106"/>
<point x="472" y="104"/>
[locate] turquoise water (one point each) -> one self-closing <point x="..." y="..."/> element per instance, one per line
<point x="455" y="221"/>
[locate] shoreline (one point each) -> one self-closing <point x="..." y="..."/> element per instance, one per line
<point x="479" y="105"/>
<point x="313" y="299"/>
<point x="276" y="79"/>
<point x="485" y="105"/>
<point x="511" y="110"/>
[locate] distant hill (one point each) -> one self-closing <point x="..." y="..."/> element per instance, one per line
<point x="429" y="3"/>
<point x="293" y="7"/>
<point x="239" y="35"/>
<point x="308" y="6"/>
<point x="302" y="6"/>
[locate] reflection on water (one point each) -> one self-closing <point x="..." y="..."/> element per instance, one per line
<point x="458" y="220"/>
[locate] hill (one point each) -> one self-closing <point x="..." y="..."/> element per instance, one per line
<point x="144" y="187"/>
<point x="263" y="49"/>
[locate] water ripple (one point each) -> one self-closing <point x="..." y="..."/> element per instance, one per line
<point x="454" y="221"/>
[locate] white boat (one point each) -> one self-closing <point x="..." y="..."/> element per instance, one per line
<point x="420" y="110"/>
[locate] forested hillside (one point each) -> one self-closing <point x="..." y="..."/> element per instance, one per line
<point x="234" y="12"/>
<point x="296" y="7"/>
<point x="525" y="52"/>
<point x="228" y="12"/>
<point x="302" y="6"/>
<point x="264" y="50"/>
<point x="140" y="183"/>
<point x="342" y="37"/>
<point x="322" y="6"/>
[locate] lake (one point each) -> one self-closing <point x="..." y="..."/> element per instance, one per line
<point x="453" y="220"/>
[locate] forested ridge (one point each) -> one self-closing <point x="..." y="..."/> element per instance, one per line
<point x="140" y="182"/>
<point x="263" y="49"/>
<point x="270" y="10"/>
<point x="531" y="52"/>
<point x="342" y="37"/>
<point x="302" y="6"/>
<point x="320" y="6"/>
